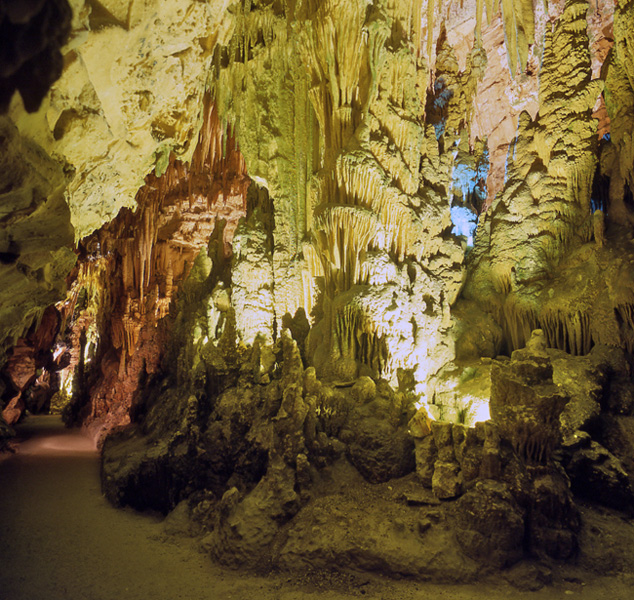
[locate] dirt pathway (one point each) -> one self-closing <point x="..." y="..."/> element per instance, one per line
<point x="60" y="540"/>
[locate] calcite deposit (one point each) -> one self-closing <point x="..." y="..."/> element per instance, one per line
<point x="533" y="261"/>
<point x="354" y="281"/>
<point x="142" y="257"/>
<point x="129" y="95"/>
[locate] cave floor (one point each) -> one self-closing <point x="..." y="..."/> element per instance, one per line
<point x="60" y="539"/>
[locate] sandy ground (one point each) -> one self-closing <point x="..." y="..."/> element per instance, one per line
<point x="60" y="540"/>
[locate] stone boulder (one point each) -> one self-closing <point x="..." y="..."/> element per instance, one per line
<point x="554" y="518"/>
<point x="526" y="405"/>
<point x="247" y="526"/>
<point x="597" y="475"/>
<point x="379" y="445"/>
<point x="490" y="524"/>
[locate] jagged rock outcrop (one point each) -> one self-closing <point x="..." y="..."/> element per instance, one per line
<point x="266" y="459"/>
<point x="130" y="270"/>
<point x="290" y="442"/>
<point x="111" y="126"/>
<point x="31" y="373"/>
<point x="246" y="441"/>
<point x="35" y="234"/>
<point x="533" y="264"/>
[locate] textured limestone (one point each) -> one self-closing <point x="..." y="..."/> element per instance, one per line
<point x="252" y="280"/>
<point x="618" y="156"/>
<point x="358" y="127"/>
<point x="31" y="370"/>
<point x="491" y="524"/>
<point x="35" y="234"/>
<point x="335" y="133"/>
<point x="130" y="270"/>
<point x="545" y="210"/>
<point x="109" y="126"/>
<point x="526" y="405"/>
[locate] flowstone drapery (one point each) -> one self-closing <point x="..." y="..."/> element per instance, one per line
<point x="359" y="177"/>
<point x="526" y="243"/>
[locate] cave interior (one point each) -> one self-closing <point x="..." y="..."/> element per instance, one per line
<point x="347" y="283"/>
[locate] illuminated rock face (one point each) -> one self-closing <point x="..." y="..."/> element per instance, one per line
<point x="363" y="128"/>
<point x="130" y="93"/>
<point x="534" y="263"/>
<point x="252" y="280"/>
<point x="131" y="269"/>
<point x="363" y="160"/>
<point x="357" y="177"/>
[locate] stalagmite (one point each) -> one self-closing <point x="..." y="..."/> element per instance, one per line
<point x="547" y="196"/>
<point x="174" y="219"/>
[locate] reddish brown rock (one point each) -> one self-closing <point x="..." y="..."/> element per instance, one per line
<point x="29" y="366"/>
<point x="14" y="409"/>
<point x="143" y="256"/>
<point x="21" y="367"/>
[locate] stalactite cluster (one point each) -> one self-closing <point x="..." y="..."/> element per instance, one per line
<point x="356" y="205"/>
<point x="537" y="231"/>
<point x="298" y="322"/>
<point x="617" y="157"/>
<point x="130" y="269"/>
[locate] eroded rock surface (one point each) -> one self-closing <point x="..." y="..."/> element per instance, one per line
<point x="130" y="271"/>
<point x="111" y="126"/>
<point x="270" y="460"/>
<point x="36" y="234"/>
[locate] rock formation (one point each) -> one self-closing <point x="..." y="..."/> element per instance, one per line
<point x="141" y="257"/>
<point x="353" y="282"/>
<point x="35" y="234"/>
<point x="532" y="263"/>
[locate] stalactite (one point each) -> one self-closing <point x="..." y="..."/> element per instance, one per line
<point x="155" y="247"/>
<point x="518" y="322"/>
<point x="626" y="314"/>
<point x="569" y="331"/>
<point x="334" y="51"/>
<point x="544" y="213"/>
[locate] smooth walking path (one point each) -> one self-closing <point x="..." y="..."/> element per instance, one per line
<point x="60" y="539"/>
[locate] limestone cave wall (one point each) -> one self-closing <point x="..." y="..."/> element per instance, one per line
<point x="330" y="257"/>
<point x="130" y="271"/>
